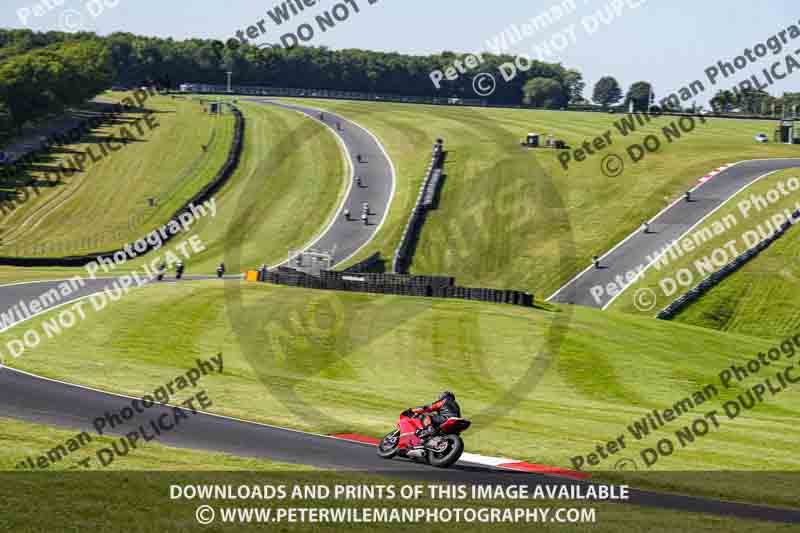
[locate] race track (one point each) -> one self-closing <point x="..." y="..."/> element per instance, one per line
<point x="36" y="399"/>
<point x="668" y="226"/>
<point x="345" y="237"/>
<point x="45" y="401"/>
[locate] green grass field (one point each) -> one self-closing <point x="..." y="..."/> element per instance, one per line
<point x="289" y="182"/>
<point x="166" y="163"/>
<point x="540" y="386"/>
<point x="509" y="217"/>
<point x="760" y="299"/>
<point x="543" y="385"/>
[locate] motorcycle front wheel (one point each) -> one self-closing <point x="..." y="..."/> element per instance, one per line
<point x="387" y="447"/>
<point x="451" y="450"/>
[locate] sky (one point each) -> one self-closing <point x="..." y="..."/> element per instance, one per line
<point x="670" y="44"/>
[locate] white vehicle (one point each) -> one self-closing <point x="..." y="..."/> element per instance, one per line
<point x="761" y="138"/>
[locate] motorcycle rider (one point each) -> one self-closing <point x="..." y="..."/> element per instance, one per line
<point x="221" y="270"/>
<point x="179" y="269"/>
<point x="162" y="269"/>
<point x="445" y="407"/>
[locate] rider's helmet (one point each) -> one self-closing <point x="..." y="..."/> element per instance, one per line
<point x="447" y="395"/>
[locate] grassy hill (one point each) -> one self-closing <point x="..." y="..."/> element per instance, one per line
<point x="107" y="205"/>
<point x="508" y="217"/>
<point x="760" y="299"/>
<point x="290" y="179"/>
<point x="540" y="385"/>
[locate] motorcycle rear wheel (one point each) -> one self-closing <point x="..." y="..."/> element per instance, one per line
<point x="451" y="454"/>
<point x="387" y="447"/>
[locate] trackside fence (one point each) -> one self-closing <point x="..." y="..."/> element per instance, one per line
<point x="221" y="177"/>
<point x="714" y="279"/>
<point x="426" y="199"/>
<point x="398" y="284"/>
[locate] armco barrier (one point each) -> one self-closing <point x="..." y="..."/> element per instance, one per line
<point x="398" y="284"/>
<point x="203" y="195"/>
<point x="425" y="200"/>
<point x="715" y="278"/>
<point x="453" y="101"/>
<point x="366" y="264"/>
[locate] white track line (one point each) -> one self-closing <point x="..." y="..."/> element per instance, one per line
<point x="670" y="206"/>
<point x="682" y="235"/>
<point x="62" y="304"/>
<point x="348" y="157"/>
<point x="125" y="396"/>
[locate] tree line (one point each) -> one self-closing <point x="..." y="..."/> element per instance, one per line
<point x="167" y="63"/>
<point x="41" y="77"/>
<point x="42" y="73"/>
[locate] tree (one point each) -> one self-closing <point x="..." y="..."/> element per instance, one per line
<point x="751" y="100"/>
<point x="723" y="101"/>
<point x="607" y="91"/>
<point x="639" y="93"/>
<point x="573" y="81"/>
<point x="544" y="92"/>
<point x="135" y="58"/>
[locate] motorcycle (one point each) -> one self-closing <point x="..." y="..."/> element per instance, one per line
<point x="220" y="272"/>
<point x="442" y="449"/>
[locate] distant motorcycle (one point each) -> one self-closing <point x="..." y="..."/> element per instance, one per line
<point x="179" y="271"/>
<point x="220" y="271"/>
<point x="442" y="449"/>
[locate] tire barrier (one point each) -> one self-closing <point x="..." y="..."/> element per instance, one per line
<point x="365" y="265"/>
<point x="428" y="194"/>
<point x="396" y="284"/>
<point x="715" y="278"/>
<point x="203" y="195"/>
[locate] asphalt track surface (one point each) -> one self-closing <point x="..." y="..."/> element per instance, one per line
<point x="668" y="226"/>
<point x="36" y="399"/>
<point x="344" y="237"/>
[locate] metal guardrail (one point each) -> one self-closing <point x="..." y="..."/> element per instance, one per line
<point x="427" y="193"/>
<point x="712" y="280"/>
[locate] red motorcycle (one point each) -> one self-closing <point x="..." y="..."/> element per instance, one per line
<point x="442" y="448"/>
